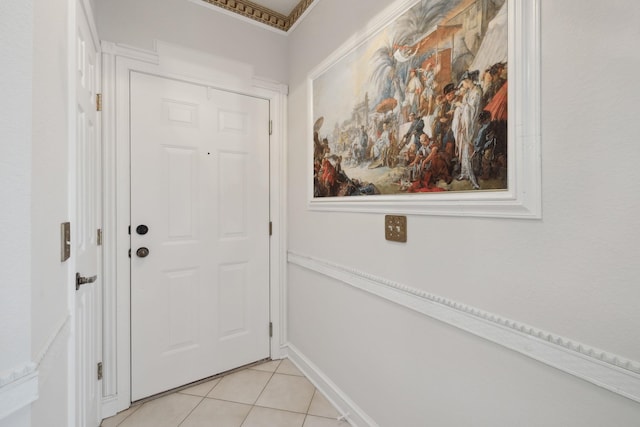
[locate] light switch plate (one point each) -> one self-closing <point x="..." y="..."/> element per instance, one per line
<point x="395" y="228"/>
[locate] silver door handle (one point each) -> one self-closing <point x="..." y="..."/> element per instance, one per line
<point x="142" y="252"/>
<point x="81" y="280"/>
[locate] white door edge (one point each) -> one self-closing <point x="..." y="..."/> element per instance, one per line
<point x="118" y="62"/>
<point x="72" y="24"/>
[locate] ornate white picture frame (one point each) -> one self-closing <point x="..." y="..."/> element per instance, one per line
<point x="521" y="197"/>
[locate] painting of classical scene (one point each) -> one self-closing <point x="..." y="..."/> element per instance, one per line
<point x="419" y="107"/>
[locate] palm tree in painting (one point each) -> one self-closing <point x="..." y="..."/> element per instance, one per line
<point x="390" y="63"/>
<point x="387" y="76"/>
<point x="422" y="19"/>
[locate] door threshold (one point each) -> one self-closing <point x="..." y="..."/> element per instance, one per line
<point x="198" y="382"/>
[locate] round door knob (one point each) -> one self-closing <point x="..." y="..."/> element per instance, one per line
<point x="142" y="252"/>
<point x="142" y="229"/>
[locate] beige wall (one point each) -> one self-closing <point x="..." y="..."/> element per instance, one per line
<point x="573" y="273"/>
<point x="35" y="188"/>
<point x="140" y="23"/>
<point x="16" y="38"/>
<point x="50" y="285"/>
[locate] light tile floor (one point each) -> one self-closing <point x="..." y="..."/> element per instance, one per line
<point x="272" y="394"/>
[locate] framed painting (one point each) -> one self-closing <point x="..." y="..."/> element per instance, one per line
<point x="433" y="109"/>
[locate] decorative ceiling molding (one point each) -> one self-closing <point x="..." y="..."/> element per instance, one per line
<point x="297" y="12"/>
<point x="263" y="14"/>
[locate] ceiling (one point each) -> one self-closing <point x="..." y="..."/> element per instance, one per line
<point x="280" y="14"/>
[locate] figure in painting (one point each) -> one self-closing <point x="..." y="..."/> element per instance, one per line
<point x="428" y="167"/>
<point x="413" y="90"/>
<point x="484" y="143"/>
<point x="416" y="166"/>
<point x="464" y="124"/>
<point x="443" y="118"/>
<point x="379" y="149"/>
<point x="364" y="143"/>
<point x="427" y="98"/>
<point x="415" y="131"/>
<point x="393" y="151"/>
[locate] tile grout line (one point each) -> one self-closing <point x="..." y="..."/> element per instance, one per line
<point x="315" y="391"/>
<point x="191" y="412"/>
<point x="202" y="398"/>
<point x="306" y="415"/>
<point x="301" y="375"/>
<point x="260" y="394"/>
<point x="272" y="373"/>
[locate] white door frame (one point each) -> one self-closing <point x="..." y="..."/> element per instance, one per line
<point x="117" y="64"/>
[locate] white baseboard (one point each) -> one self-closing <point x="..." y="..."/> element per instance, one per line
<point x="349" y="411"/>
<point x="18" y="388"/>
<point x="602" y="368"/>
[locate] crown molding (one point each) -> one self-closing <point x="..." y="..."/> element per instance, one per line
<point x="607" y="370"/>
<point x="263" y="14"/>
<point x="298" y="11"/>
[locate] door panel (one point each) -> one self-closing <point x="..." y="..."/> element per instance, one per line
<point x="88" y="298"/>
<point x="200" y="183"/>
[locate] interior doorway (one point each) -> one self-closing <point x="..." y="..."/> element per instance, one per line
<point x="121" y="241"/>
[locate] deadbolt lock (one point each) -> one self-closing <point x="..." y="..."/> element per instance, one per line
<point x="142" y="229"/>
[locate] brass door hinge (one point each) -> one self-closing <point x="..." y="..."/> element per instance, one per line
<point x="100" y="371"/>
<point x="99" y="237"/>
<point x="270" y="329"/>
<point x="98" y="102"/>
<point x="270" y="127"/>
<point x="270" y="228"/>
<point x="65" y="241"/>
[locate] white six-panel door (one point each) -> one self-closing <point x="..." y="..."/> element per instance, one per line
<point x="199" y="232"/>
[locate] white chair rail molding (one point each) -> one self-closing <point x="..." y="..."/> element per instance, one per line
<point x="604" y="369"/>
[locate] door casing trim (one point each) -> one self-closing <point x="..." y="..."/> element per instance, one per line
<point x="195" y="67"/>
